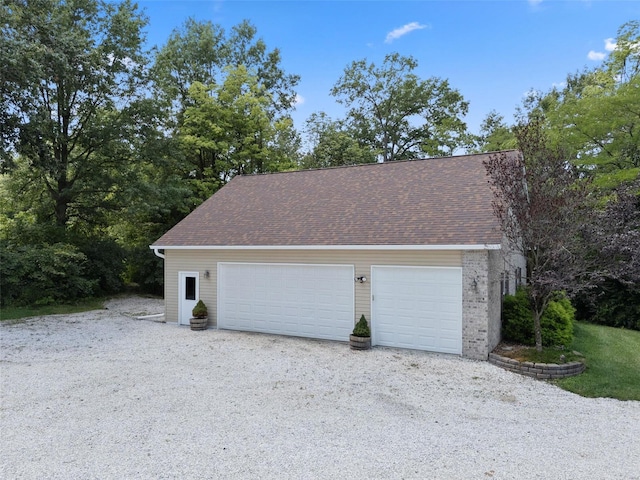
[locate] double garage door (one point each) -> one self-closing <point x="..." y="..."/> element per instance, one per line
<point x="301" y="300"/>
<point x="412" y="307"/>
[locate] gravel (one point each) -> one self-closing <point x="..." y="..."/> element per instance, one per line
<point x="105" y="394"/>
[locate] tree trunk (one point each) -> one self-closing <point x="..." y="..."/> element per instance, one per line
<point x="537" y="329"/>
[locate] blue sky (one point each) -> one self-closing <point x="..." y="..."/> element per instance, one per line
<point x="493" y="52"/>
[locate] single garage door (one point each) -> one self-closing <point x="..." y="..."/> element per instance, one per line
<point x="313" y="301"/>
<point x="417" y="307"/>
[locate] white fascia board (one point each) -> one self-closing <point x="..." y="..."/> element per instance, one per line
<point x="328" y="247"/>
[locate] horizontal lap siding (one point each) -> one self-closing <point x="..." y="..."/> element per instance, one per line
<point x="202" y="260"/>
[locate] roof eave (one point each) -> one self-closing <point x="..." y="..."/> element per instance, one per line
<point x="485" y="246"/>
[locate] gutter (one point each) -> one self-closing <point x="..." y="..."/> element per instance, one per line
<point x="157" y="253"/>
<point x="326" y="247"/>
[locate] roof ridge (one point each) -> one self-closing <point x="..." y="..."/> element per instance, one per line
<point x="336" y="167"/>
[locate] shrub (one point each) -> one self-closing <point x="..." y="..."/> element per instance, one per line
<point x="362" y="328"/>
<point x="105" y="263"/>
<point x="43" y="274"/>
<point x="615" y="305"/>
<point x="556" y="321"/>
<point x="200" y="310"/>
<point x="517" y="320"/>
<point x="145" y="269"/>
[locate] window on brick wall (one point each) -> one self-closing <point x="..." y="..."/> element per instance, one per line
<point x="505" y="284"/>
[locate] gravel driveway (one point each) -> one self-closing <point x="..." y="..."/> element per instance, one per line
<point x="104" y="395"/>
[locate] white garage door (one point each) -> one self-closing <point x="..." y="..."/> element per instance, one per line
<point x="417" y="307"/>
<point x="287" y="299"/>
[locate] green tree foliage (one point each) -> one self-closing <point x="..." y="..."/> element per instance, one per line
<point x="228" y="102"/>
<point x="556" y="322"/>
<point x="495" y="135"/>
<point x="73" y="87"/>
<point x="203" y="52"/>
<point x="78" y="134"/>
<point x="227" y="129"/>
<point x="333" y="145"/>
<point x="43" y="274"/>
<point x="613" y="241"/>
<point x="612" y="303"/>
<point x="597" y="114"/>
<point x="398" y="114"/>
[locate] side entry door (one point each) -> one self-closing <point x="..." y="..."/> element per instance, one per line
<point x="188" y="290"/>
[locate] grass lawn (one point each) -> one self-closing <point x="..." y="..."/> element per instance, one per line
<point x="15" y="314"/>
<point x="613" y="363"/>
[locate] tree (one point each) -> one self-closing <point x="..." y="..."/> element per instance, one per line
<point x="613" y="240"/>
<point x="203" y="52"/>
<point x="495" y="135"/>
<point x="227" y="129"/>
<point x="228" y="102"/>
<point x="333" y="144"/>
<point x="396" y="113"/>
<point x="597" y="114"/>
<point x="71" y="94"/>
<point x="541" y="205"/>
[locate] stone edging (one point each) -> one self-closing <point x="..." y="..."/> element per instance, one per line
<point x="542" y="371"/>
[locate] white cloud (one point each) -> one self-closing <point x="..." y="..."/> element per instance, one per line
<point x="609" y="45"/>
<point x="559" y="84"/>
<point x="399" y="32"/>
<point x="299" y="100"/>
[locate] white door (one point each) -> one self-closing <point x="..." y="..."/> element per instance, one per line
<point x="315" y="301"/>
<point x="188" y="291"/>
<point x="417" y="307"/>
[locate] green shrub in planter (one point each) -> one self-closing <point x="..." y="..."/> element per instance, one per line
<point x="200" y="310"/>
<point x="362" y="328"/>
<point x="556" y="322"/>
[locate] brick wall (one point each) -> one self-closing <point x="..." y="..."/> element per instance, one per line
<point x="475" y="304"/>
<point x="482" y="272"/>
<point x="496" y="268"/>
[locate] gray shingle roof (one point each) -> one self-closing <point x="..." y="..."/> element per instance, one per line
<point x="439" y="201"/>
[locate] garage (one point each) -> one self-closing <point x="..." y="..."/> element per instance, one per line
<point x="417" y="307"/>
<point x="315" y="301"/>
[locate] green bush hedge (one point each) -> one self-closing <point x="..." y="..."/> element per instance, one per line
<point x="43" y="274"/>
<point x="556" y="322"/>
<point x="613" y="304"/>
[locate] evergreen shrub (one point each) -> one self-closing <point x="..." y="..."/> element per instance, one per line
<point x="362" y="328"/>
<point x="200" y="310"/>
<point x="556" y="322"/>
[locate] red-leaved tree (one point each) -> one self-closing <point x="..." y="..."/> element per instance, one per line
<point x="541" y="205"/>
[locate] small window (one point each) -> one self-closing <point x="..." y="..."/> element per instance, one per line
<point x="190" y="288"/>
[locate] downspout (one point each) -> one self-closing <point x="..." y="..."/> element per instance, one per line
<point x="157" y="253"/>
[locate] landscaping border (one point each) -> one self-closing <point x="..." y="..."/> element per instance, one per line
<point x="541" y="371"/>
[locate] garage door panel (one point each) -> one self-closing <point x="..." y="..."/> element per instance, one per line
<point x="418" y="308"/>
<point x="301" y="300"/>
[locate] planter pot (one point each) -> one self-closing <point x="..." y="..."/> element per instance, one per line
<point x="198" y="323"/>
<point x="359" y="343"/>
